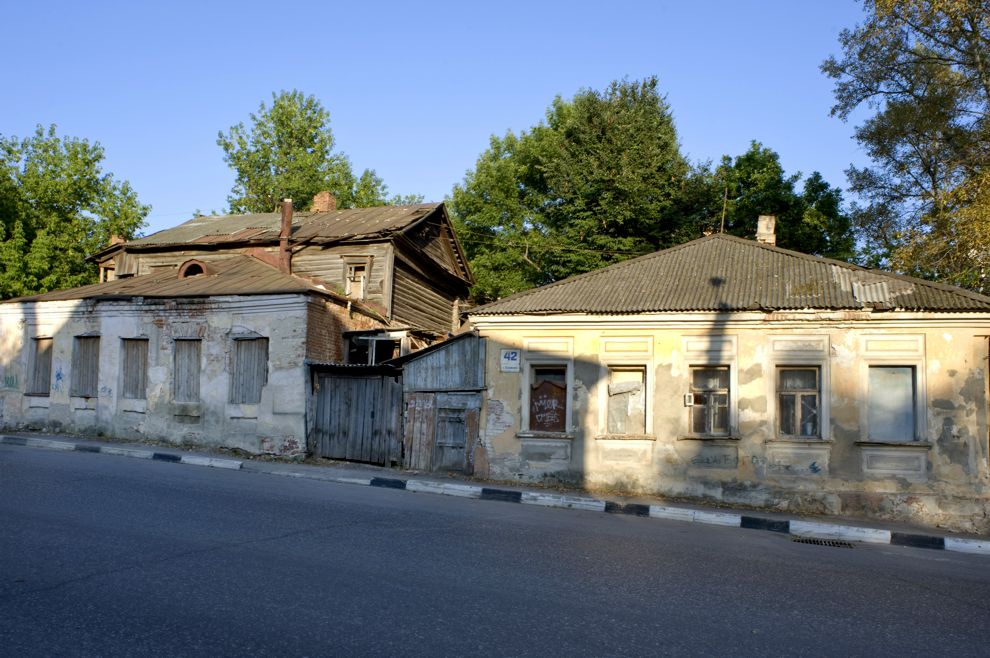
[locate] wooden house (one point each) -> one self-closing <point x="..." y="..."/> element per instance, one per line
<point x="403" y="261"/>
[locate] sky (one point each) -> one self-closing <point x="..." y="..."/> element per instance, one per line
<point x="414" y="89"/>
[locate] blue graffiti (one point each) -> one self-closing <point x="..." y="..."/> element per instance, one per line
<point x="815" y="468"/>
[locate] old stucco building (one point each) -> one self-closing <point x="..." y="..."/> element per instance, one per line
<point x="205" y="334"/>
<point x="732" y="370"/>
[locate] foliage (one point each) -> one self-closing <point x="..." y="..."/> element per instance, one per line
<point x="57" y="206"/>
<point x="288" y="152"/>
<point x="922" y="67"/>
<point x="591" y="185"/>
<point x="810" y="221"/>
<point x="601" y="179"/>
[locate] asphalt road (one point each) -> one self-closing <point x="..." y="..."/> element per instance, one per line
<point x="112" y="556"/>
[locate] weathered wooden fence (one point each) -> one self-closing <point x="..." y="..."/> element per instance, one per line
<point x="359" y="416"/>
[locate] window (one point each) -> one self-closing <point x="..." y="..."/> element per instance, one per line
<point x="85" y="366"/>
<point x="40" y="382"/>
<point x="135" y="368"/>
<point x="892" y="398"/>
<point x="548" y="399"/>
<point x="355" y="277"/>
<point x="798" y="395"/>
<point x="185" y="383"/>
<point x="250" y="372"/>
<point x="710" y="400"/>
<point x="626" y="400"/>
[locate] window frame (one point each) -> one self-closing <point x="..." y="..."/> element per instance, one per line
<point x="605" y="398"/>
<point x="84" y="380"/>
<point x="33" y="384"/>
<point x="729" y="401"/>
<point x="126" y="366"/>
<point x="917" y="406"/>
<point x="778" y="368"/>
<point x="530" y="373"/>
<point x="351" y="264"/>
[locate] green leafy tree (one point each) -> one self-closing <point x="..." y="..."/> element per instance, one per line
<point x="595" y="183"/>
<point x="57" y="205"/>
<point x="922" y="67"/>
<point x="288" y="152"/>
<point x="811" y="220"/>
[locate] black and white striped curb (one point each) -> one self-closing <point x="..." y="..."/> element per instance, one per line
<point x="796" y="528"/>
<point x="801" y="529"/>
<point x="138" y="453"/>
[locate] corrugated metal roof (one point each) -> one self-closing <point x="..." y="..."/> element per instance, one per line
<point x="264" y="227"/>
<point x="238" y="275"/>
<point x="726" y="273"/>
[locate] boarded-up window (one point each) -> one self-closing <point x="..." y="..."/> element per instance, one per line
<point x="892" y="403"/>
<point x="250" y="371"/>
<point x="40" y="382"/>
<point x="798" y="402"/>
<point x="627" y="400"/>
<point x="85" y="366"/>
<point x="185" y="382"/>
<point x="548" y="399"/>
<point x="135" y="368"/>
<point x="710" y="400"/>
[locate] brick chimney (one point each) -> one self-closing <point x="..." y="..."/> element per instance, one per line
<point x="765" y="229"/>
<point x="116" y="239"/>
<point x="324" y="202"/>
<point x="284" y="257"/>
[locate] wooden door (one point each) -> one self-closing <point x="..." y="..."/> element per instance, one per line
<point x="358" y="418"/>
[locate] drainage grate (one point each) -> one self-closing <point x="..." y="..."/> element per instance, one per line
<point x="835" y="543"/>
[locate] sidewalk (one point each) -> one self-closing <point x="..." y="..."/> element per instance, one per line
<point x="817" y="529"/>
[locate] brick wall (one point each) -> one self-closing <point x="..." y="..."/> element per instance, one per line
<point x="326" y="323"/>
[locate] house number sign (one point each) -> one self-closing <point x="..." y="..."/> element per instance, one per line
<point x="509" y="361"/>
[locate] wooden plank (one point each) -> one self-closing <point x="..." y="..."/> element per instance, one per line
<point x="41" y="374"/>
<point x="186" y="371"/>
<point x="135" y="368"/>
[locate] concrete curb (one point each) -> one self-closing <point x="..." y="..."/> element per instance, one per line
<point x="137" y="453"/>
<point x="793" y="527"/>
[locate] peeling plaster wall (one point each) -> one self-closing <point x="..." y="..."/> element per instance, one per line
<point x="277" y="424"/>
<point x="939" y="476"/>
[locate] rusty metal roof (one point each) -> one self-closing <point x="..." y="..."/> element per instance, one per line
<point x="726" y="273"/>
<point x="264" y="227"/>
<point x="237" y="275"/>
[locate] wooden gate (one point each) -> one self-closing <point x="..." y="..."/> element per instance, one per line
<point x="441" y="430"/>
<point x="358" y="417"/>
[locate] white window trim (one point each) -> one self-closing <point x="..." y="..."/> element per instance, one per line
<point x="906" y="350"/>
<point x="547" y="351"/>
<point x="706" y="351"/>
<point x="356" y="261"/>
<point x="625" y="362"/>
<point x="920" y="397"/>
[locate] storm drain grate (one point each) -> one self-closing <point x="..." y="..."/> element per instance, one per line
<point x="835" y="543"/>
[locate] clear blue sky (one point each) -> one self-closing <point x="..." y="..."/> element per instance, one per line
<point x="414" y="89"/>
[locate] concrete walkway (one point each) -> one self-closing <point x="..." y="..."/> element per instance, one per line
<point x="819" y="529"/>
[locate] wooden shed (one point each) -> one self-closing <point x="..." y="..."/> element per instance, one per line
<point x="441" y="388"/>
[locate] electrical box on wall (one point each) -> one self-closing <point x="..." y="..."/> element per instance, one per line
<point x="689" y="399"/>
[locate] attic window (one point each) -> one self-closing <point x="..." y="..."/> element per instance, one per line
<point x="191" y="268"/>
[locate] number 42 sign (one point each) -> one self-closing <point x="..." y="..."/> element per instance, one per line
<point x="509" y="361"/>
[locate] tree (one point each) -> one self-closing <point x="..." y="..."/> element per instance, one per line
<point x="810" y="221"/>
<point x="923" y="68"/>
<point x="57" y="206"/>
<point x="595" y="183"/>
<point x="288" y="152"/>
